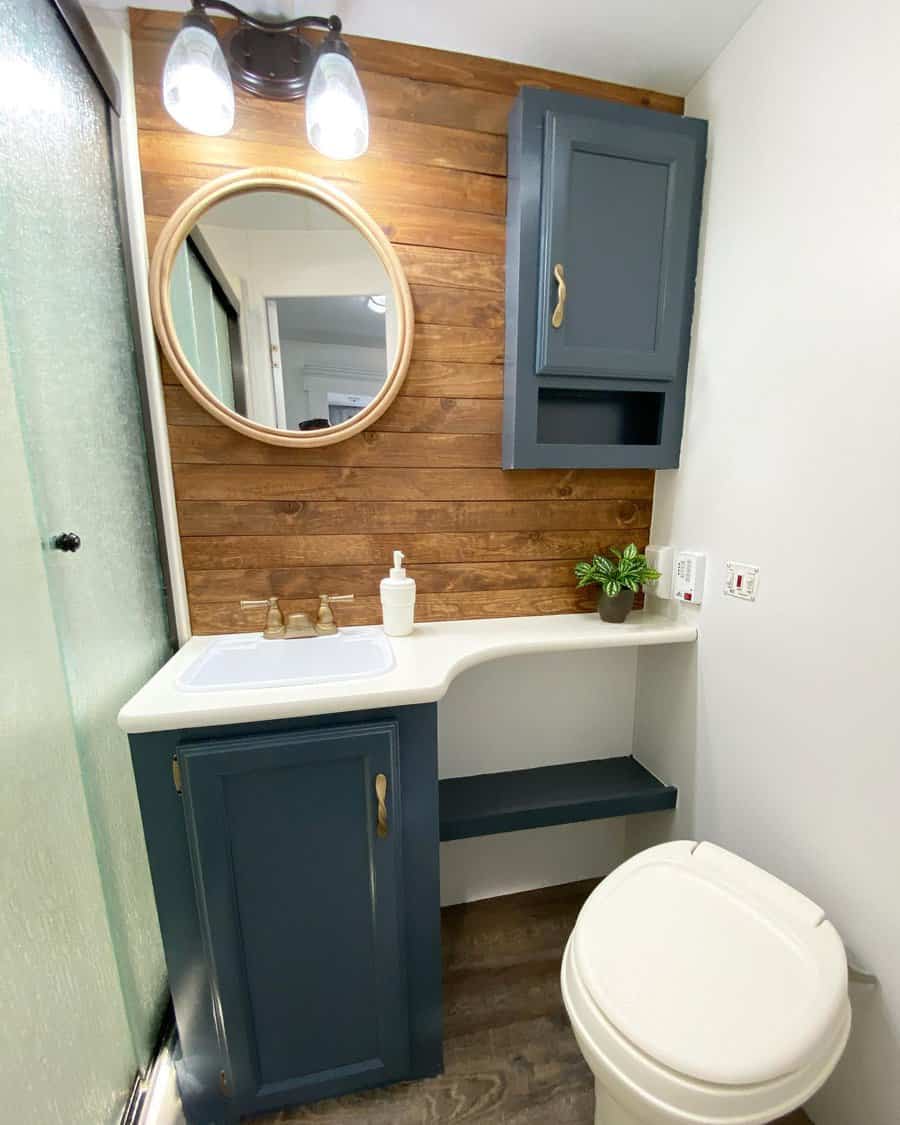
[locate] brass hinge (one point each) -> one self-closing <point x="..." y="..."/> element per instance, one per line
<point x="176" y="773"/>
<point x="223" y="1084"/>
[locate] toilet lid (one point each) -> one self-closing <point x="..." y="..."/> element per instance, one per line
<point x="710" y="965"/>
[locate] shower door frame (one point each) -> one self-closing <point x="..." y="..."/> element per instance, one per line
<point x="83" y="35"/>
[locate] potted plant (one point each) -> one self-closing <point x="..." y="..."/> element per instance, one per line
<point x="619" y="579"/>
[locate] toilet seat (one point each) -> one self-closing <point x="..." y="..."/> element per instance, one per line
<point x="699" y="983"/>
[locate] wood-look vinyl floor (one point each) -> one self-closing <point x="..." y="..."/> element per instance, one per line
<point x="509" y="1055"/>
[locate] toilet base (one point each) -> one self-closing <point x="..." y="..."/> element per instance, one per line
<point x="607" y="1110"/>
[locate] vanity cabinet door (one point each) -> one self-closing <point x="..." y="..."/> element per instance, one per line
<point x="297" y="871"/>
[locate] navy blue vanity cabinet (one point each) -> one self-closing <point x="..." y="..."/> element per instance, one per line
<point x="602" y="226"/>
<point x="296" y="875"/>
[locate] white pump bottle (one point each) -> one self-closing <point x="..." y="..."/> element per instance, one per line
<point x="398" y="600"/>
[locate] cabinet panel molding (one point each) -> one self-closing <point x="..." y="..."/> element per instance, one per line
<point x="299" y="900"/>
<point x="303" y="947"/>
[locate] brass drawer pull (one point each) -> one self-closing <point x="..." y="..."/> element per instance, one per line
<point x="560" y="311"/>
<point x="381" y="794"/>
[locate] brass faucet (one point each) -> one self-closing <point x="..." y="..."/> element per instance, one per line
<point x="297" y="624"/>
<point x="326" y="625"/>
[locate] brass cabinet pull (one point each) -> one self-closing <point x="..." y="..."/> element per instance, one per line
<point x="560" y="311"/>
<point x="381" y="794"/>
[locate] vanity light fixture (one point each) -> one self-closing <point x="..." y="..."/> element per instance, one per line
<point x="377" y="303"/>
<point x="273" y="59"/>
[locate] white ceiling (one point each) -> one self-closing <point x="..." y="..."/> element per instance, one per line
<point x="330" y="320"/>
<point x="660" y="44"/>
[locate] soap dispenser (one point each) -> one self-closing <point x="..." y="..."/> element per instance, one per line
<point x="398" y="600"/>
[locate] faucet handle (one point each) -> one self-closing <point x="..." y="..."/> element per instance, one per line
<point x="325" y="622"/>
<point x="274" y="618"/>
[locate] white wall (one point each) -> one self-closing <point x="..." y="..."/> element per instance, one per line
<point x="531" y="711"/>
<point x="287" y="263"/>
<point x="310" y="371"/>
<point x="783" y="732"/>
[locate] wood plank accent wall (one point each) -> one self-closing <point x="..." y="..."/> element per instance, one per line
<point x="259" y="519"/>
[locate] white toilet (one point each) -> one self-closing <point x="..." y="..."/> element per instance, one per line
<point x="703" y="991"/>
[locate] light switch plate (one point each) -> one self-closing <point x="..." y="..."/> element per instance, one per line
<point x="741" y="581"/>
<point x="690" y="569"/>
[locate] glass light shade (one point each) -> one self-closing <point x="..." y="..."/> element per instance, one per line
<point x="197" y="88"/>
<point x="337" y="121"/>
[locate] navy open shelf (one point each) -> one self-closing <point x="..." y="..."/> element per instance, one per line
<point x="535" y="798"/>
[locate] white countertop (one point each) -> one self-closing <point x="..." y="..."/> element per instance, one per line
<point x="425" y="665"/>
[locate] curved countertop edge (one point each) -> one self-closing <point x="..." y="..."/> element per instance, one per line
<point x="426" y="663"/>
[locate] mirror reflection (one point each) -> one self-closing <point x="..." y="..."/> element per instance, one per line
<point x="284" y="310"/>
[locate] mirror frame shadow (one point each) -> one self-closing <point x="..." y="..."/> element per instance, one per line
<point x="173" y="236"/>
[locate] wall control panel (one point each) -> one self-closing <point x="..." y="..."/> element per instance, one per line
<point x="741" y="580"/>
<point x="690" y="570"/>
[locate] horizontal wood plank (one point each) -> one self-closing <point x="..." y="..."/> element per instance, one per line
<point x="427" y="379"/>
<point x="442" y="416"/>
<point x="453" y="343"/>
<point x="448" y="345"/>
<point x="182" y="409"/>
<point x="436" y="378"/>
<point x="221" y="617"/>
<point x="398" y="142"/>
<point x="169" y="180"/>
<point x="327" y="517"/>
<point x="437" y="304"/>
<point x="410" y="224"/>
<point x="220" y="446"/>
<point x="461" y="269"/>
<point x="431" y="578"/>
<point x="270" y="482"/>
<point x="436" y="103"/>
<point x="254" y="552"/>
<point x="408" y="414"/>
<point x="433" y="266"/>
<point x="476" y="73"/>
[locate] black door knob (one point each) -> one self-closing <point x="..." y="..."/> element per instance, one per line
<point x="66" y="541"/>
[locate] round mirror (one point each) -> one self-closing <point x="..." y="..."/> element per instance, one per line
<point x="282" y="307"/>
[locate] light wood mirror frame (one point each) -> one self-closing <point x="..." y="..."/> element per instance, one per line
<point x="170" y="241"/>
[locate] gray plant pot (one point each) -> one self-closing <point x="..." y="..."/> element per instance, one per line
<point x="616" y="609"/>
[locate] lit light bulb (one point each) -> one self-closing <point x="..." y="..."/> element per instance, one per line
<point x="337" y="121"/>
<point x="197" y="88"/>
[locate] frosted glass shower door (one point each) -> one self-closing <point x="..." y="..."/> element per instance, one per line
<point x="67" y="329"/>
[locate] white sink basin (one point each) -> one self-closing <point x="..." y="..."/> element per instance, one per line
<point x="249" y="661"/>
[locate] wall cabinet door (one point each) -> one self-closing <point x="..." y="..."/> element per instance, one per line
<point x="299" y="894"/>
<point x="616" y="223"/>
<point x="603" y="216"/>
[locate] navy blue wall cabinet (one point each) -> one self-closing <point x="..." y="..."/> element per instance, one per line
<point x="300" y="914"/>
<point x="603" y="216"/>
<point x="535" y="798"/>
